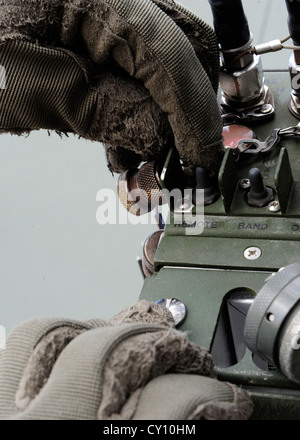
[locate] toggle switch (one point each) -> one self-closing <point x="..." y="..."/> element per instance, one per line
<point x="206" y="183"/>
<point x="259" y="195"/>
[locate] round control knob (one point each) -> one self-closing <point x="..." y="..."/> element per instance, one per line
<point x="149" y="251"/>
<point x="139" y="191"/>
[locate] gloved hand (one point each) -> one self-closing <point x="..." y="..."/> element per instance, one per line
<point x="139" y="76"/>
<point x="134" y="367"/>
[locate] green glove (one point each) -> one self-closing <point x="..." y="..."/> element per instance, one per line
<point x="139" y="76"/>
<point x="137" y="366"/>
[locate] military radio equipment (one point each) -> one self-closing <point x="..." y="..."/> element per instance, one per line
<point x="232" y="272"/>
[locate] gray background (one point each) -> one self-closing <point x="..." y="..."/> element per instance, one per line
<point x="55" y="259"/>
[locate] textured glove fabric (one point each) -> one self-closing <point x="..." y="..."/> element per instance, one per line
<point x="127" y="368"/>
<point x="138" y="75"/>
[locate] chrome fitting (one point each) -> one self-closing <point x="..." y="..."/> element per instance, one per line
<point x="237" y="59"/>
<point x="294" y="69"/>
<point x="242" y="88"/>
<point x="242" y="83"/>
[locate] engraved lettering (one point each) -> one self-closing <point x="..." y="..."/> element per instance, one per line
<point x="207" y="225"/>
<point x="253" y="226"/>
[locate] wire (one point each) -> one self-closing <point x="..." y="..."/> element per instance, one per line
<point x="286" y="46"/>
<point x="285" y="39"/>
<point x="289" y="46"/>
<point x="271" y="46"/>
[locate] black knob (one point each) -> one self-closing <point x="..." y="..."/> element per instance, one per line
<point x="259" y="194"/>
<point x="206" y="183"/>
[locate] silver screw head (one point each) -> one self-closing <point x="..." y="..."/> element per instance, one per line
<point x="245" y="184"/>
<point x="184" y="205"/>
<point x="176" y="307"/>
<point x="252" y="253"/>
<point x="274" y="206"/>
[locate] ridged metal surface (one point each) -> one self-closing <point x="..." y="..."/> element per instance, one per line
<point x="147" y="190"/>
